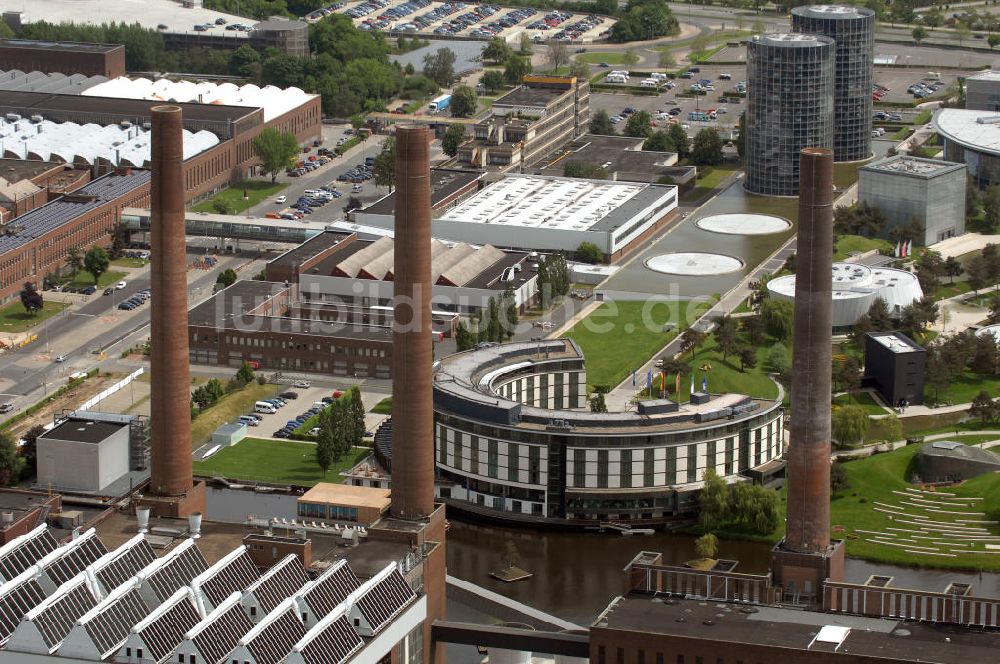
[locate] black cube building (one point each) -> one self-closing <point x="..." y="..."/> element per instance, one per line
<point x="894" y="365"/>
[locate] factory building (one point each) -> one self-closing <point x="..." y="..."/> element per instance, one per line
<point x="48" y="57"/>
<point x="83" y="454"/>
<point x="790" y="106"/>
<point x="853" y="30"/>
<point x="907" y="189"/>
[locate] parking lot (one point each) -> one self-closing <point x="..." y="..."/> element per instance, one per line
<point x="270" y="423"/>
<point x="460" y="19"/>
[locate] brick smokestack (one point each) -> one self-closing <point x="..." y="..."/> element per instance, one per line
<point x="171" y="397"/>
<point x="808" y="526"/>
<point x="412" y="351"/>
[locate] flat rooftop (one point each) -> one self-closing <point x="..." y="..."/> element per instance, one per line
<point x="84" y="431"/>
<point x="147" y="13"/>
<point x="557" y="203"/>
<point x="796" y="630"/>
<point x="444" y="184"/>
<point x="314" y="246"/>
<point x="913" y="166"/>
<point x="833" y="12"/>
<point x="529" y="96"/>
<point x="53" y="82"/>
<point x="346" y="494"/>
<point x="15" y="170"/>
<point x="896" y="342"/>
<point x="978" y="130"/>
<point x="72" y="47"/>
<point x="987" y="75"/>
<point x="614" y="153"/>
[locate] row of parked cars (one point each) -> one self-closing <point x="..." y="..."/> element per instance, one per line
<point x="885" y="116"/>
<point x="324" y="11"/>
<point x="922" y="89"/>
<point x="359" y="173"/>
<point x="509" y="20"/>
<point x="136" y="300"/>
<point x="467" y="20"/>
<point x="402" y="11"/>
<point x="425" y="20"/>
<point x="308" y="201"/>
<point x="366" y="8"/>
<point x="293" y="424"/>
<point x="576" y="29"/>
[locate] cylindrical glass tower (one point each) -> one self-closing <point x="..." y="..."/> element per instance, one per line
<point x="853" y="28"/>
<point x="789" y="107"/>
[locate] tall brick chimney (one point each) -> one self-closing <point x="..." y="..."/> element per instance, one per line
<point x="412" y="352"/>
<point x="172" y="490"/>
<point x="806" y="556"/>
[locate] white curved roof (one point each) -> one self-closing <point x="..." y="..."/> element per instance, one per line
<point x="68" y="142"/>
<point x="978" y="130"/>
<point x="275" y="101"/>
<point x="990" y="329"/>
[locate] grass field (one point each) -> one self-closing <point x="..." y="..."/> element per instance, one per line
<point x="129" y="262"/>
<point x="383" y="407"/>
<point x="279" y="462"/>
<point x="705" y="185"/>
<point x="618" y="337"/>
<point x="873" y="480"/>
<point x="963" y="389"/>
<point x="84" y="279"/>
<point x="611" y="57"/>
<point x="851" y="244"/>
<point x="14" y="319"/>
<point x="952" y="289"/>
<point x="256" y="190"/>
<point x="228" y="409"/>
<point x="725" y="374"/>
<point x="863" y="399"/>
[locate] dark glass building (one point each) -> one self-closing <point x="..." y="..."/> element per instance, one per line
<point x="853" y="29"/>
<point x="789" y="107"/>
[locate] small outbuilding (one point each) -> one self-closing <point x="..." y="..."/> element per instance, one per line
<point x="363" y="505"/>
<point x="229" y="434"/>
<point x="950" y="461"/>
<point x="82" y="454"/>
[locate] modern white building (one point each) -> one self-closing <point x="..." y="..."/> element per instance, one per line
<point x="554" y="214"/>
<point x="855" y="288"/>
<point x="83" y="454"/>
<point x="906" y="189"/>
<point x="972" y="137"/>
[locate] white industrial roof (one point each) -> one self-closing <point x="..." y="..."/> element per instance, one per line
<point x="895" y="342"/>
<point x="545" y="202"/>
<point x="119" y="144"/>
<point x="275" y="101"/>
<point x="978" y="130"/>
<point x="985" y="75"/>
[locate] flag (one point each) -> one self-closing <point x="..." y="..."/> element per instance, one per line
<point x="704" y="384"/>
<point x="633" y="377"/>
<point x="649" y="381"/>
<point x="897" y="250"/>
<point x="663" y="381"/>
<point x="909" y="247"/>
<point x="692" y="382"/>
<point x="677" y="384"/>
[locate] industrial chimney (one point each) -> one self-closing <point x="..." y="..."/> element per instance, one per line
<point x="807" y="556"/>
<point x="412" y="351"/>
<point x="173" y="493"/>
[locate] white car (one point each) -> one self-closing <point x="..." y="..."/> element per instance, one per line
<point x="301" y="384"/>
<point x="60" y="358"/>
<point x="281" y="199"/>
<point x="120" y="285"/>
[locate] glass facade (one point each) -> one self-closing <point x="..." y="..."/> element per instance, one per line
<point x="789" y="107"/>
<point x="853" y="30"/>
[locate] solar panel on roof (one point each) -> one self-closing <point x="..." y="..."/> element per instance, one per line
<point x="74" y="557"/>
<point x="23" y="552"/>
<point x="234" y="573"/>
<point x="120" y="565"/>
<point x="220" y="632"/>
<point x="18" y="597"/>
<point x="277" y="634"/>
<point x="330" y="643"/>
<point x="281" y="582"/>
<point x="162" y="631"/>
<point x="177" y="570"/>
<point x="109" y="628"/>
<point x="388" y="594"/>
<point x="55" y="617"/>
<point x="330" y="589"/>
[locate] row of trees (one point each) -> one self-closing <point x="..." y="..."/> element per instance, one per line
<point x="704" y="150"/>
<point x="341" y="427"/>
<point x="741" y="506"/>
<point x="211" y="392"/>
<point x="495" y="323"/>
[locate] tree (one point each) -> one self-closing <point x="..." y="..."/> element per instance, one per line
<point x="557" y="55"/>
<point x="492" y="80"/>
<point x="96" y="262"/>
<point x="713" y="501"/>
<point x="919" y="33"/>
<point x="991" y="206"/>
<point x="497" y="50"/>
<point x="511" y="556"/>
<point x="778" y="358"/>
<point x="356" y="414"/>
<point x="588" y="252"/>
<point x="754" y="508"/>
<point x="440" y="66"/>
<point x="847" y="374"/>
<point x="639" y="124"/>
<point x="74" y="259"/>
<point x="227" y="278"/>
<point x="598" y="404"/>
<point x="978" y="272"/>
<point x="464" y="101"/>
<point x="929" y="268"/>
<point x="524" y="44"/>
<point x="982" y="407"/>
<point x="630" y="57"/>
<point x="985" y="355"/>
<point x="31" y="299"/>
<point x="679" y="139"/>
<point x="667" y="60"/>
<point x="325" y="442"/>
<point x="752" y="327"/>
<point x="838" y="477"/>
<point x="993" y="40"/>
<point x="453" y="137"/>
<point x="579" y="69"/>
<point x="29" y="450"/>
<point x="953" y="268"/>
<point x="223" y="206"/>
<point x="516" y="68"/>
<point x="600" y="124"/>
<point x="849" y="425"/>
<point x="706" y="149"/>
<point x="245" y="374"/>
<point x="658" y="141"/>
<point x="464" y="338"/>
<point x="707" y="546"/>
<point x="748" y="357"/>
<point x="777" y="317"/>
<point x="726" y="334"/>
<point x="691" y="339"/>
<point x="10" y="462"/>
<point x="585" y="169"/>
<point x="384" y="168"/>
<point x="277" y="150"/>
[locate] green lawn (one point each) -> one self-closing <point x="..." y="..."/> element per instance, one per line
<point x="13" y="317"/>
<point x="922" y="118"/>
<point x="228" y="409"/>
<point x="705" y="185"/>
<point x="256" y="191"/>
<point x="620" y="336"/>
<point x="902" y="133"/>
<point x="725" y="374"/>
<point x="851" y="244"/>
<point x="951" y="290"/>
<point x="963" y="389"/>
<point x="129" y="262"/>
<point x="84" y="279"/>
<point x="873" y="480"/>
<point x="383" y="407"/>
<point x="277" y="461"/>
<point x="863" y="399"/>
<point x="597" y="57"/>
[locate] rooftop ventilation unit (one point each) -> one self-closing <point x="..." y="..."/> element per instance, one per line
<point x="13" y="117"/>
<point x="36" y="118"/>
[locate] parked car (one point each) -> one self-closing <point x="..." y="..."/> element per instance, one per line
<point x="281" y="199"/>
<point x="6" y="407"/>
<point x="120" y="285"/>
<point x="301" y="384"/>
<point x="60" y="358"/>
<point x="289" y="395"/>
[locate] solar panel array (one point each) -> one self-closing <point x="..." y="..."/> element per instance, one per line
<point x="23" y="552"/>
<point x="221" y="631"/>
<point x="227" y="576"/>
<point x="123" y="563"/>
<point x="276" y="637"/>
<point x="56" y="617"/>
<point x="162" y="633"/>
<point x="385" y="599"/>
<point x="330" y="589"/>
<point x="71" y="559"/>
<point x="280" y="583"/>
<point x="17" y="597"/>
<point x="330" y="643"/>
<point x="178" y="571"/>
<point x="112" y="620"/>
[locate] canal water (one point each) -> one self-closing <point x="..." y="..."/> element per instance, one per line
<point x="577" y="574"/>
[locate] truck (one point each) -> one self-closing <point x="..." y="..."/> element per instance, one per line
<point x="439" y="103"/>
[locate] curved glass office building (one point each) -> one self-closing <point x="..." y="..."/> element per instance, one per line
<point x="853" y="29"/>
<point x="789" y="107"/>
